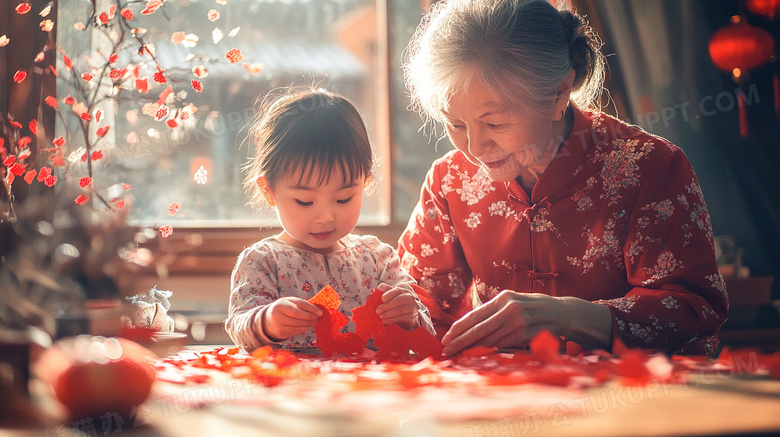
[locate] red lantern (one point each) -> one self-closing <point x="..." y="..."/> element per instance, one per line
<point x="767" y="8"/>
<point x="737" y="48"/>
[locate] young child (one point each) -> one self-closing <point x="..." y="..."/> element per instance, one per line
<point x="312" y="164"/>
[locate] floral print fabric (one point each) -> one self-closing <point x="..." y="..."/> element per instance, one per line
<point x="270" y="269"/>
<point x="618" y="218"/>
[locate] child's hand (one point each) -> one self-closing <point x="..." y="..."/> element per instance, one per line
<point x="289" y="316"/>
<point x="398" y="306"/>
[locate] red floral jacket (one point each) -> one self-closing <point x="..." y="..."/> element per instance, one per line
<point x="617" y="218"/>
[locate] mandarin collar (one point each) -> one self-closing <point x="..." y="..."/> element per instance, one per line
<point x="563" y="164"/>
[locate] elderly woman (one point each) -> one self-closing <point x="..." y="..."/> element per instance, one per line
<point x="553" y="214"/>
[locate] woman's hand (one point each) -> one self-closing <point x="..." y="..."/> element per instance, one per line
<point x="288" y="316"/>
<point x="511" y="320"/>
<point x="398" y="306"/>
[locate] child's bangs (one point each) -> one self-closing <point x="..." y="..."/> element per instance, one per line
<point x="326" y="151"/>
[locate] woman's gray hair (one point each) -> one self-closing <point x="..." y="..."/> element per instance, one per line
<point x="521" y="50"/>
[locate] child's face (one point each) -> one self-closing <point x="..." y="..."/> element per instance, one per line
<point x="315" y="217"/>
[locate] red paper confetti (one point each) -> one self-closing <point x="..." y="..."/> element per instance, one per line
<point x="33" y="127"/>
<point x="19" y="76"/>
<point x="113" y="58"/>
<point x="125" y="186"/>
<point x="197" y="86"/>
<point x="81" y="199"/>
<point x="30" y="176"/>
<point x="367" y="322"/>
<point x="86" y="76"/>
<point x="23" y="8"/>
<point x="101" y="132"/>
<point x="85" y="182"/>
<point x="173" y="208"/>
<point x="97" y="155"/>
<point x="9" y="161"/>
<point x="165" y="231"/>
<point x="159" y="77"/>
<point x="111" y="11"/>
<point x="171" y="123"/>
<point x="57" y="161"/>
<point x="127" y="14"/>
<point x="51" y="101"/>
<point x="15" y="124"/>
<point x="24" y="142"/>
<point x="477" y="351"/>
<point x="66" y="60"/>
<point x="234" y="56"/>
<point x="103" y="19"/>
<point x="545" y="346"/>
<point x="120" y="204"/>
<point x="59" y="141"/>
<point x="69" y="100"/>
<point x="632" y="367"/>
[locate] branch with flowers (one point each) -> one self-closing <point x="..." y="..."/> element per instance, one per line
<point x="124" y="68"/>
<point x="119" y="67"/>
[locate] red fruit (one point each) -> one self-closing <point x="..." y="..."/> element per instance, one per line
<point x="91" y="383"/>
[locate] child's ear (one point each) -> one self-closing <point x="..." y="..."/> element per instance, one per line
<point x="265" y="189"/>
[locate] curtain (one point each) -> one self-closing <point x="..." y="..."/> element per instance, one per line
<point x="661" y="78"/>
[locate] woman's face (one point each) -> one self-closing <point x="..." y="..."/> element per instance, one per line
<point x="502" y="141"/>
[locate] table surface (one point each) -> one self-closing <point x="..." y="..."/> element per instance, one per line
<point x="721" y="403"/>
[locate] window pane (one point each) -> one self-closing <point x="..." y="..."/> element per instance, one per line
<point x="413" y="150"/>
<point x="283" y="42"/>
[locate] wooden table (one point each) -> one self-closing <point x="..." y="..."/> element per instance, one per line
<point x="721" y="403"/>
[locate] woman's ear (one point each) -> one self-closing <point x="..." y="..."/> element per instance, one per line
<point x="265" y="189"/>
<point x="562" y="96"/>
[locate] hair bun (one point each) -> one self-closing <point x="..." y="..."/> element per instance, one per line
<point x="584" y="47"/>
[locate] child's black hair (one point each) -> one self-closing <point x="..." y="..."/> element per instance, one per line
<point x="308" y="131"/>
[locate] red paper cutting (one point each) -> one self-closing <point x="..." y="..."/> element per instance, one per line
<point x="396" y="343"/>
<point x="330" y="341"/>
<point x="327" y="297"/>
<point x="367" y="321"/>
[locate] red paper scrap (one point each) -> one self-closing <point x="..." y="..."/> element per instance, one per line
<point x="545" y="346"/>
<point x="327" y="297"/>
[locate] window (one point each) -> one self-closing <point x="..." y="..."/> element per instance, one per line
<point x="353" y="47"/>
